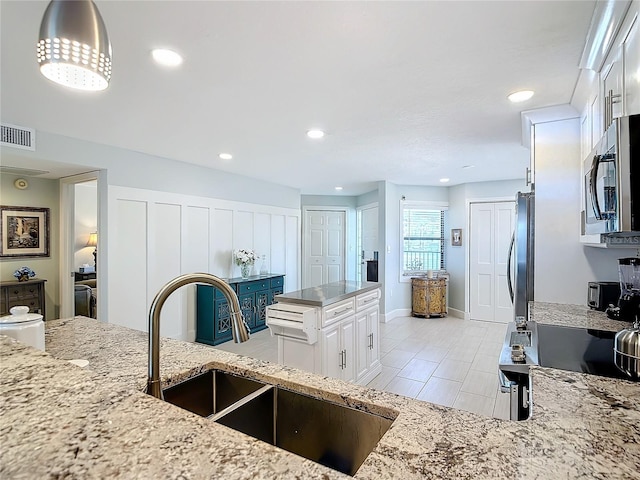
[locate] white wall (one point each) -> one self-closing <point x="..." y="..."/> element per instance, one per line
<point x="86" y="222"/>
<point x="156" y="236"/>
<point x="563" y="266"/>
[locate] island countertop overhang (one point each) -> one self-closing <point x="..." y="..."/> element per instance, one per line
<point x="328" y="293"/>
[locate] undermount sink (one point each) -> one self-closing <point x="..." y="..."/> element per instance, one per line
<point x="210" y="392"/>
<point x="333" y="435"/>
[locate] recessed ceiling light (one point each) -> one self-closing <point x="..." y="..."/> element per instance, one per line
<point x="225" y="156"/>
<point x="465" y="167"/>
<point x="338" y="188"/>
<point x="315" y="133"/>
<point x="520" y="96"/>
<point x="165" y="57"/>
<point x="444" y="180"/>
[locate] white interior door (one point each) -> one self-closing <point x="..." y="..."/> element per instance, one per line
<point x="491" y="228"/>
<point x="368" y="237"/>
<point x="324" y="259"/>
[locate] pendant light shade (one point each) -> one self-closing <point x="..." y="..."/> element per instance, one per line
<point x="73" y="48"/>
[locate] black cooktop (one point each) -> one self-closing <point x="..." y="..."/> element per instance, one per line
<point x="578" y="350"/>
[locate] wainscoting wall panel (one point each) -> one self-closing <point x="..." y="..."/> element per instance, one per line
<point x="156" y="236"/>
<point x="128" y="275"/>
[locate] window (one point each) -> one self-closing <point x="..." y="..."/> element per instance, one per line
<point x="422" y="237"/>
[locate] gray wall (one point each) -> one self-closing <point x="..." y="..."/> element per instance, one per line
<point x="138" y="170"/>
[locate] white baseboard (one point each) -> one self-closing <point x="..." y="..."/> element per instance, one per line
<point x="399" y="312"/>
<point x="454" y="312"/>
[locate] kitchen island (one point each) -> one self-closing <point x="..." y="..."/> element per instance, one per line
<point x="330" y="329"/>
<point x="59" y="420"/>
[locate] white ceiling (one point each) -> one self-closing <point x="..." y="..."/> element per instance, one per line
<point x="407" y="92"/>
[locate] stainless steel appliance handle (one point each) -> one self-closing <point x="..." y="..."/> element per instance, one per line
<point x="593" y="177"/>
<point x="509" y="282"/>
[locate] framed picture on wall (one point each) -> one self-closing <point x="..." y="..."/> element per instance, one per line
<point x="456" y="237"/>
<point x="24" y="232"/>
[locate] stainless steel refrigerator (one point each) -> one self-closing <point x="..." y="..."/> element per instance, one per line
<point x="520" y="262"/>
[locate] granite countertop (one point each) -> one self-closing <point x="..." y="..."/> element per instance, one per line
<point x="58" y="420"/>
<point x="328" y="293"/>
<point x="578" y="316"/>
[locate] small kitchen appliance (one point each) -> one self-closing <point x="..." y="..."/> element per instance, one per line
<point x="628" y="308"/>
<point x="603" y="294"/>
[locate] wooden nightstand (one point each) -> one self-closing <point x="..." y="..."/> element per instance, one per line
<point x="80" y="277"/>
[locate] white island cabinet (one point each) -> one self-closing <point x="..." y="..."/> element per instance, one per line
<point x="331" y="330"/>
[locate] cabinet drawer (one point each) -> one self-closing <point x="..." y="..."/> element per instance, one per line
<point x="337" y="311"/>
<point x="366" y="300"/>
<point x="23" y="292"/>
<point x="32" y="302"/>
<point x="277" y="282"/>
<point x="248" y="287"/>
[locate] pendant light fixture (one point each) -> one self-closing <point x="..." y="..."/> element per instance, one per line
<point x="73" y="48"/>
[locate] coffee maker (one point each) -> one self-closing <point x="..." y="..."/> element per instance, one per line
<point x="628" y="308"/>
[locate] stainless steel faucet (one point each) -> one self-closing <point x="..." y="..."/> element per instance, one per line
<point x="239" y="327"/>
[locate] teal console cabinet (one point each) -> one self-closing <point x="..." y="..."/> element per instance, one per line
<point x="213" y="316"/>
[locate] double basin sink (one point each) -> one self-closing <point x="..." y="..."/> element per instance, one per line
<point x="333" y="435"/>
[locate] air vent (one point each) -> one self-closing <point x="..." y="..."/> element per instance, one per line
<point x="18" y="137"/>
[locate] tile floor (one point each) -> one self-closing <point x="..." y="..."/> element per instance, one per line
<point x="448" y="361"/>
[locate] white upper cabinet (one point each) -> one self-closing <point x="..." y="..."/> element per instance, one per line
<point x="613" y="87"/>
<point x="631" y="56"/>
<point x="620" y="74"/>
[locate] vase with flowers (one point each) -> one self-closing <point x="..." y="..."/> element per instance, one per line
<point x="245" y="259"/>
<point x="23" y="274"/>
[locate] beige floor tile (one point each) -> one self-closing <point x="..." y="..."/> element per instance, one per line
<point x="485" y="363"/>
<point x="475" y="403"/>
<point x="481" y="383"/>
<point x="404" y="386"/>
<point x="432" y="353"/>
<point x="490" y="348"/>
<point x="452" y="370"/>
<point x="388" y="344"/>
<point x="396" y="358"/>
<point x="398" y="333"/>
<point x="475" y="331"/>
<point x="462" y="353"/>
<point x="383" y="379"/>
<point x="440" y="391"/>
<point x="419" y="370"/>
<point x="413" y="345"/>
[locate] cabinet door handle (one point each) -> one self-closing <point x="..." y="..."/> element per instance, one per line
<point x="339" y="312"/>
<point x="345" y="358"/>
<point x="341" y="364"/>
<point x="371" y="341"/>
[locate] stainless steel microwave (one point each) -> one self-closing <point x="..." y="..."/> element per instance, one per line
<point x="612" y="180"/>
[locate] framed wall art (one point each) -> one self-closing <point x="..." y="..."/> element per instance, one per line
<point x="456" y="237"/>
<point x="24" y="232"/>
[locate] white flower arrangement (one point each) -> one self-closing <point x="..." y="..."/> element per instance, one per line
<point x="245" y="257"/>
